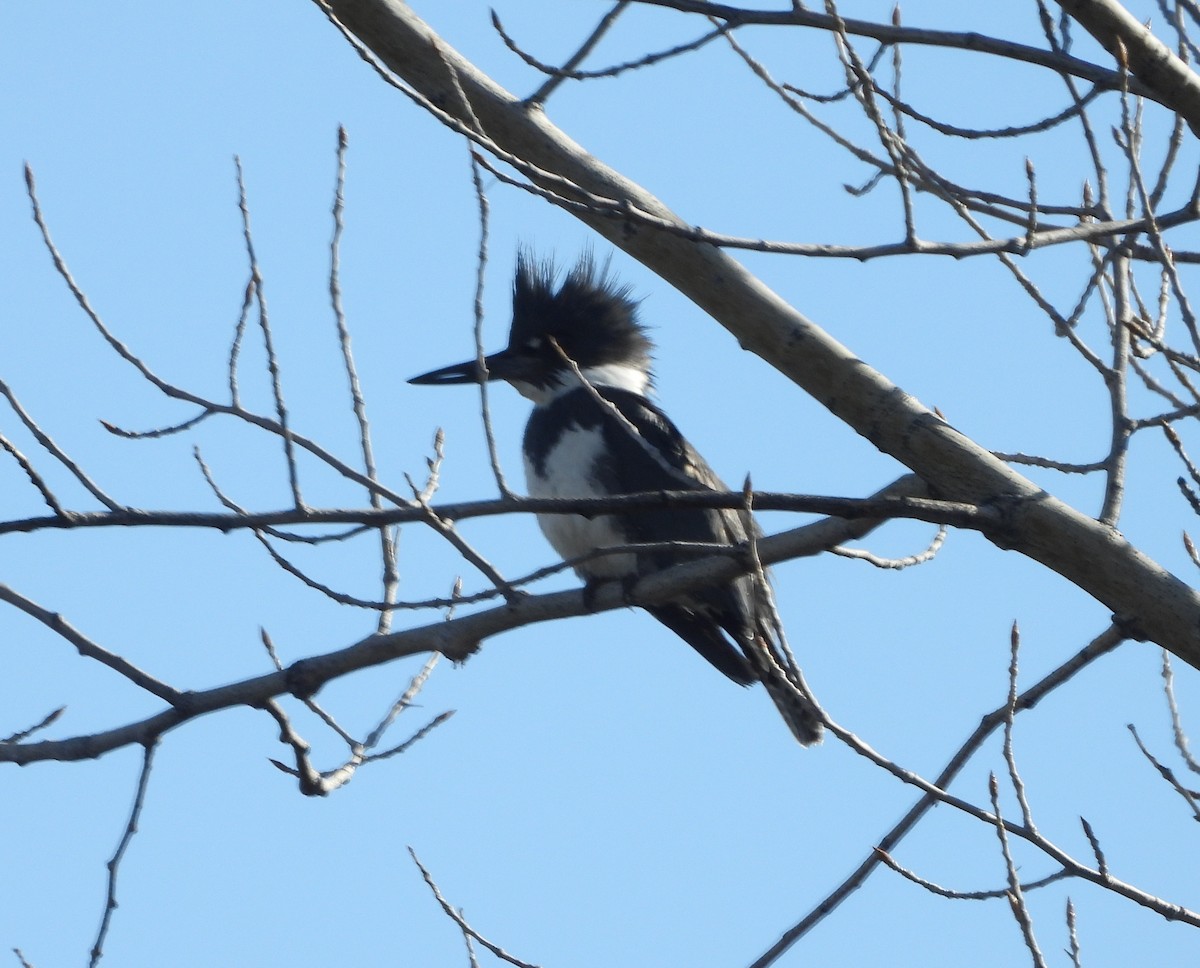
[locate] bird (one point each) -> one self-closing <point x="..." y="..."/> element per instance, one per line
<point x="578" y="350"/>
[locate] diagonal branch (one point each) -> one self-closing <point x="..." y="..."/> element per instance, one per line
<point x="1149" y="601"/>
<point x="1152" y="62"/>
<point x="1098" y="647"/>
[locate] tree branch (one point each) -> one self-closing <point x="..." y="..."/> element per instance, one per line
<point x="891" y="33"/>
<point x="1167" y="78"/>
<point x="894" y="503"/>
<point x="457" y="639"/>
<point x="1149" y="601"/>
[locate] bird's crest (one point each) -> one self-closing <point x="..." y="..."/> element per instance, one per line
<point x="593" y="317"/>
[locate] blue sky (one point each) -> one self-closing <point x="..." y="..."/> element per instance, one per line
<point x="601" y="796"/>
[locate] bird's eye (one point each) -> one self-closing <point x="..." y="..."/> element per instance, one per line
<point x="534" y="344"/>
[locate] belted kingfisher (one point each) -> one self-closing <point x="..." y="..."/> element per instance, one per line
<point x="605" y="437"/>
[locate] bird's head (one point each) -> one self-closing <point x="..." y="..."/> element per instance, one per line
<point x="588" y="320"/>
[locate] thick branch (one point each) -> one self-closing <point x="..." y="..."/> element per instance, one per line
<point x="1152" y="62"/>
<point x="1148" y="601"/>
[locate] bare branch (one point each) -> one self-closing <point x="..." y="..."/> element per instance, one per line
<point x="1016" y="897"/>
<point x="952" y="895"/>
<point x="415" y="686"/>
<point x="309" y="701"/>
<point x="1073" y="936"/>
<point x="1177" y="730"/>
<point x="1102" y="645"/>
<point x="480" y="354"/>
<point x="1093" y="840"/>
<point x="312" y="784"/>
<point x="893" y="505"/>
<point x="56" y="452"/>
<point x="1166" y="909"/>
<point x="1054" y="465"/>
<point x="558" y="74"/>
<point x="387" y="544"/>
<point x="1168" y="774"/>
<point x="1010" y="759"/>
<point x="595" y="206"/>
<point x="256" y="286"/>
<point x="457" y="918"/>
<point x="890" y="33"/>
<point x="1148" y="59"/>
<point x="47" y="720"/>
<point x="89" y="649"/>
<point x="457" y="639"/>
<point x="34" y="477"/>
<point x="114" y="864"/>
<point x="895" y="564"/>
<point x="81" y="298"/>
<point x="416" y="737"/>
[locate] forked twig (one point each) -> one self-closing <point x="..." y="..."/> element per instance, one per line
<point x="457" y="917"/>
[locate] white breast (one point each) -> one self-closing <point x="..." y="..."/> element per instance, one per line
<point x="569" y="472"/>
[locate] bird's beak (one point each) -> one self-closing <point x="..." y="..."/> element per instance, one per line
<point x="504" y="365"/>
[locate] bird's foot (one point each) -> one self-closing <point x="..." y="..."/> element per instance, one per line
<point x="591" y="589"/>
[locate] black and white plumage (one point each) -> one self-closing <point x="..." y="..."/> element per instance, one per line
<point x="604" y="437"/>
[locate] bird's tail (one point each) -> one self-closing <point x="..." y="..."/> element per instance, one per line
<point x="802" y="719"/>
<point x="787" y="690"/>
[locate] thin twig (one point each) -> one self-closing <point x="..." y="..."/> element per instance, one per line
<point x="1094" y="843"/>
<point x="1010" y="715"/>
<point x="1168" y="774"/>
<point x="114" y="863"/>
<point x="1032" y="460"/>
<point x="958" y="514"/>
<point x="558" y="75"/>
<point x="49" y="719"/>
<point x="416" y="737"/>
<point x="1103" y="644"/>
<point x="57" y="624"/>
<point x="56" y="452"/>
<point x="949" y="894"/>
<point x="34" y="477"/>
<point x="387" y="544"/>
<point x="457" y="918"/>
<point x="312" y="784"/>
<point x="319" y="711"/>
<point x="1073" y="936"/>
<point x="896" y="564"/>
<point x="406" y="698"/>
<point x="1177" y="730"/>
<point x="489" y="432"/>
<point x="156" y="433"/>
<point x="1016" y="897"/>
<point x="256" y="286"/>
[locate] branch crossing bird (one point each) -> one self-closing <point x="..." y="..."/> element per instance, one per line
<point x="579" y="352"/>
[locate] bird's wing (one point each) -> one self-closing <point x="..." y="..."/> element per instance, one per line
<point x="663" y="454"/>
<point x="646" y="452"/>
<point x="706" y="637"/>
<point x="645" y="437"/>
